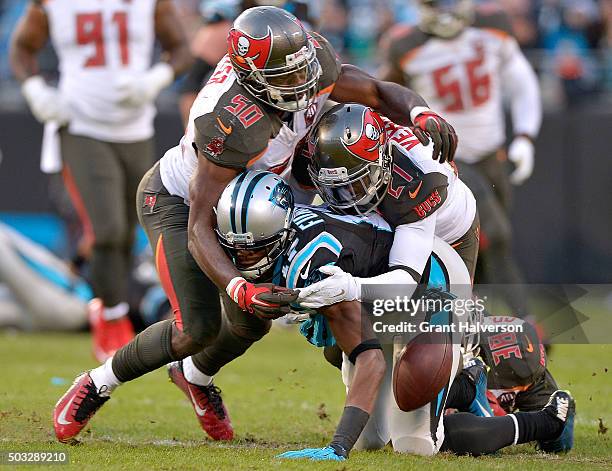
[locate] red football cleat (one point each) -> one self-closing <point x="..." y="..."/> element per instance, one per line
<point x="207" y="404"/>
<point x="75" y="408"/>
<point x="108" y="336"/>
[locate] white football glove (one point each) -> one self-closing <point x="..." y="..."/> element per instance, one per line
<point x="521" y="153"/>
<point x="135" y="91"/>
<point x="340" y="286"/>
<point x="46" y="102"/>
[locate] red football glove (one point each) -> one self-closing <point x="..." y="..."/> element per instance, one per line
<point x="265" y="300"/>
<point x="441" y="132"/>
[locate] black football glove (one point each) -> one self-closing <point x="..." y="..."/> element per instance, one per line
<point x="431" y="125"/>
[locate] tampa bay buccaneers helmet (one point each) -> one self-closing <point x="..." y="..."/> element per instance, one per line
<point x="445" y="18"/>
<point x="274" y="58"/>
<point x="350" y="160"/>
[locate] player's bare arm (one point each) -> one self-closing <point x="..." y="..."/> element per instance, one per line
<point x="347" y="326"/>
<point x="398" y="103"/>
<point x="172" y="37"/>
<point x="264" y="300"/>
<point x="30" y="36"/>
<point x="204" y="192"/>
<point x="350" y="330"/>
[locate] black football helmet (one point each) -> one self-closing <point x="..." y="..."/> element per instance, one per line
<point x="274" y="58"/>
<point x="350" y="160"/>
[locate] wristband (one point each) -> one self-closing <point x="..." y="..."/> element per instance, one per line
<point x="233" y="287"/>
<point x="351" y="424"/>
<point x="417" y="110"/>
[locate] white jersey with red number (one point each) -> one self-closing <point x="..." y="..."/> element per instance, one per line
<point x="234" y="129"/>
<point x="464" y="79"/>
<point x="422" y="187"/>
<point x="97" y="43"/>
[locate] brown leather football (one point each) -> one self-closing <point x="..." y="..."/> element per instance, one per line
<point x="422" y="369"/>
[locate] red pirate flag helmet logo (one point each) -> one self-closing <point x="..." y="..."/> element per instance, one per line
<point x="370" y="143"/>
<point x="241" y="47"/>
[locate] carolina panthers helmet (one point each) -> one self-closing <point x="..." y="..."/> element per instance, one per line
<point x="350" y="160"/>
<point x="274" y="58"/>
<point x="445" y="18"/>
<point x="254" y="215"/>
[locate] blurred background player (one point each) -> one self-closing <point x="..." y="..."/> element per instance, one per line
<point x="100" y="120"/>
<point x="462" y="60"/>
<point x="60" y="299"/>
<point x="208" y="46"/>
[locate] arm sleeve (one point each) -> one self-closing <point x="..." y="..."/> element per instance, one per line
<point x="412" y="245"/>
<point x="522" y="87"/>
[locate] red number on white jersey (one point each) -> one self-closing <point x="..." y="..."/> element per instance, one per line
<point x="449" y="88"/>
<point x="90" y="30"/>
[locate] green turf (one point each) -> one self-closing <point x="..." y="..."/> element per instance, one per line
<point x="281" y="396"/>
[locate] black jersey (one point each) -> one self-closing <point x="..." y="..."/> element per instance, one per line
<point x="360" y="246"/>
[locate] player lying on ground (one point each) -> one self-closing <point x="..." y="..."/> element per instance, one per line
<point x="269" y="240"/>
<point x="60" y="300"/>
<point x="262" y="99"/>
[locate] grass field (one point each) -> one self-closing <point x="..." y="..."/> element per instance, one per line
<point x="281" y="395"/>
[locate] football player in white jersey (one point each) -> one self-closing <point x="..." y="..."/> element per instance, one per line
<point x="102" y="113"/>
<point x="463" y="60"/>
<point x="361" y="162"/>
<point x="262" y="99"/>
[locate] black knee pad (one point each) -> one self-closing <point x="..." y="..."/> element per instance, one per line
<point x="333" y="355"/>
<point x="149" y="350"/>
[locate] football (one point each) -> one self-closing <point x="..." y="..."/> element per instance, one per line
<point x="421" y="370"/>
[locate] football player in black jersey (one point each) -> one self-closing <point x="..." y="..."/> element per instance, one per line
<point x="268" y="238"/>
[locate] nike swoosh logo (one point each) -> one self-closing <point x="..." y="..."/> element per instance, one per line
<point x="304" y="275"/>
<point x="198" y="409"/>
<point x="224" y="128"/>
<point x="62" y="417"/>
<point x="529" y="346"/>
<point x="414" y="193"/>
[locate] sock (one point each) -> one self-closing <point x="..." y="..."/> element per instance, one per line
<point x="461" y="393"/>
<point x="115" y="312"/>
<point x="193" y="375"/>
<point x="538" y="425"/>
<point x="468" y="434"/>
<point x="149" y="350"/>
<point x="104" y="378"/>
